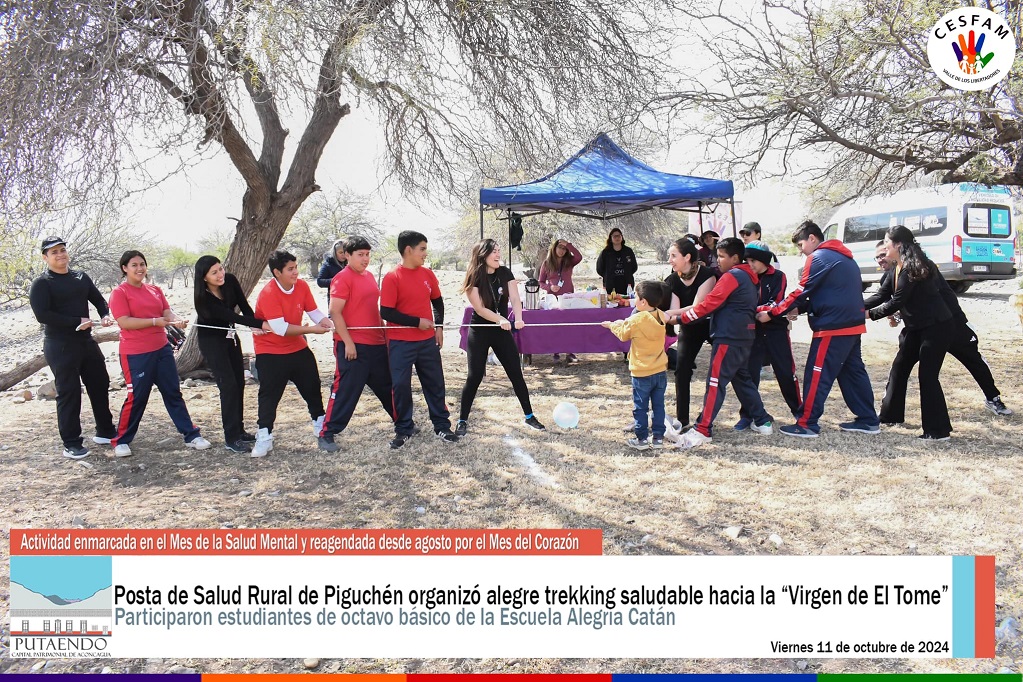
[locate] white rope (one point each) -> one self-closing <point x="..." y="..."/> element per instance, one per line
<point x="439" y="326"/>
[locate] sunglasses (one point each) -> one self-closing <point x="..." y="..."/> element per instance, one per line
<point x="880" y="258"/>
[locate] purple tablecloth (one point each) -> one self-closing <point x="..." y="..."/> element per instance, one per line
<point x="546" y="340"/>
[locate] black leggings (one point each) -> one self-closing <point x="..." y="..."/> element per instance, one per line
<point x="691" y="340"/>
<point x="481" y="340"/>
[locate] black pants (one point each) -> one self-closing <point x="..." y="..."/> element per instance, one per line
<point x="479" y="343"/>
<point x="927" y="346"/>
<point x="369" y="368"/>
<point x="224" y="358"/>
<point x="773" y="347"/>
<point x="963" y="347"/>
<point x="425" y="356"/>
<point x="76" y="360"/>
<point x="275" y="371"/>
<point x="690" y="341"/>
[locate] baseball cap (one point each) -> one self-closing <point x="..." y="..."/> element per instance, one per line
<point x="50" y="242"/>
<point x="751" y="227"/>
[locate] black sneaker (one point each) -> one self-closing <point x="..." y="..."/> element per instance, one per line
<point x="461" y="428"/>
<point x="326" y="443"/>
<point x="933" y="437"/>
<point x="76" y="452"/>
<point x="534" y="423"/>
<point x="446" y="436"/>
<point x="997" y="406"/>
<point x="238" y="446"/>
<point x="399" y="440"/>
<point x="247" y="437"/>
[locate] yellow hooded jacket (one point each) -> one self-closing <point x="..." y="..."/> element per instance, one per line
<point x="646" y="331"/>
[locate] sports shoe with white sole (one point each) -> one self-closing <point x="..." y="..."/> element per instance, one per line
<point x="692" y="439"/>
<point x="860" y="427"/>
<point x="997" y="406"/>
<point x="198" y="443"/>
<point x="765" y="429"/>
<point x="264" y="444"/>
<point x="798" y="431"/>
<point x="122" y="450"/>
<point x="317" y="424"/>
<point x="78" y="452"/>
<point x="638" y="443"/>
<point x="100" y="440"/>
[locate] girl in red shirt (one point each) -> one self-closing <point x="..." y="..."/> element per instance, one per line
<point x="143" y="313"/>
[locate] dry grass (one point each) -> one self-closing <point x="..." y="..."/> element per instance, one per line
<point x="840" y="494"/>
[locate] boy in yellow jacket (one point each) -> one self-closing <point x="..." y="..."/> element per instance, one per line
<point x="648" y="363"/>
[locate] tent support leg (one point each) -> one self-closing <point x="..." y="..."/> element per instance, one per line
<point x="481" y="221"/>
<point x="731" y="203"/>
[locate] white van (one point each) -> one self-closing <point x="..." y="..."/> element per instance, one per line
<point x="966" y="229"/>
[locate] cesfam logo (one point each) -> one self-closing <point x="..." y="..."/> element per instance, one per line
<point x="971" y="48"/>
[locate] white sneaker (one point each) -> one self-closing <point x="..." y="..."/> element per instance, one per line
<point x="100" y="440"/>
<point x="317" y="424"/>
<point x="198" y="443"/>
<point x="122" y="450"/>
<point x="765" y="430"/>
<point x="264" y="444"/>
<point x="692" y="439"/>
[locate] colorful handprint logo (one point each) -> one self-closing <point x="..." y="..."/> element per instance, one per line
<point x="969" y="53"/>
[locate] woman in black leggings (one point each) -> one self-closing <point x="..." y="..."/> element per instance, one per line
<point x="690" y="281"/>
<point x="489" y="285"/>
<point x="927" y="334"/>
<point x="221" y="305"/>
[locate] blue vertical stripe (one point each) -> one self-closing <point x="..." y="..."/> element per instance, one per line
<point x="963" y="616"/>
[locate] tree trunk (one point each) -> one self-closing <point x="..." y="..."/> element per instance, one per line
<point x="254" y="240"/>
<point x="30" y="367"/>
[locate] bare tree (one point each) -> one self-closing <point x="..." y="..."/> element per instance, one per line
<point x="91" y="89"/>
<point x="844" y="92"/>
<point x="324" y="219"/>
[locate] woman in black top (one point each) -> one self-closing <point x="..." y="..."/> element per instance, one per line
<point x="217" y="297"/>
<point x="690" y="281"/>
<point x="333" y="263"/>
<point x="617" y="264"/>
<point x="489" y="286"/>
<point x="915" y="295"/>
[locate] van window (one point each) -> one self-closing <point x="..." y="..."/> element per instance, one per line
<point x="831" y="232"/>
<point x="986" y="220"/>
<point x="922" y="222"/>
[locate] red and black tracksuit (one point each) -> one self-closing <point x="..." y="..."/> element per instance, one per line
<point x="772" y="343"/>
<point x="830" y="290"/>
<point x="733" y="302"/>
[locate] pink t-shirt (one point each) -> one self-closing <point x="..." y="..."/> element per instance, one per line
<point x="362" y="305"/>
<point x="146" y="301"/>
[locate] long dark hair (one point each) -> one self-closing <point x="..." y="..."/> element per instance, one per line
<point x="553" y="265"/>
<point x="202" y="268"/>
<point x="915" y="262"/>
<point x="476" y="271"/>
<point x="686" y="247"/>
<point x="610" y="244"/>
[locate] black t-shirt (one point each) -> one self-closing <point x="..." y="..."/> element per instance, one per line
<point x="60" y="301"/>
<point x="687" y="293"/>
<point x="220" y="312"/>
<point x="498" y="283"/>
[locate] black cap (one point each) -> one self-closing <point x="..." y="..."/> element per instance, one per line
<point x="751" y="227"/>
<point x="50" y="242"/>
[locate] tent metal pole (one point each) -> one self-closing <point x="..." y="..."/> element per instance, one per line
<point x="481" y="220"/>
<point x="731" y="202"/>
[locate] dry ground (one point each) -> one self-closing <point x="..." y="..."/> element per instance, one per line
<point x="839" y="494"/>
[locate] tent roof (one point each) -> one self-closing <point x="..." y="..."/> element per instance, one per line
<point x="602" y="181"/>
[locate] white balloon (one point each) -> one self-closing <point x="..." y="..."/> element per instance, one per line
<point x="566" y="415"/>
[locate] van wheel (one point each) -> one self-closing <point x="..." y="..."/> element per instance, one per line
<point x="960" y="286"/>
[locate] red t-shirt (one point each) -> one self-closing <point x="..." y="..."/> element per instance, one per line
<point x="272" y="303"/>
<point x="146" y="301"/>
<point x="361" y="296"/>
<point x="410" y="291"/>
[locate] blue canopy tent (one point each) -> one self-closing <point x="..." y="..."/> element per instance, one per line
<point x="602" y="181"/>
